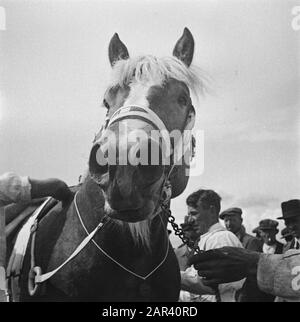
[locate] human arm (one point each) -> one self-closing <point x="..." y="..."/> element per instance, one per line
<point x="276" y="274"/>
<point x="220" y="239"/>
<point x="53" y="187"/>
<point x="14" y="189"/>
<point x="18" y="189"/>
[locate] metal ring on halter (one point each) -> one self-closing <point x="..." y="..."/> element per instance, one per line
<point x="34" y="287"/>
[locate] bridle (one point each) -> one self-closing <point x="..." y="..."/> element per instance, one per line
<point x="132" y="111"/>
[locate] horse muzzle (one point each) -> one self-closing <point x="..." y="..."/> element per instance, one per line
<point x="127" y="163"/>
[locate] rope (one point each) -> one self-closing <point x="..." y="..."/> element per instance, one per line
<point x="42" y="278"/>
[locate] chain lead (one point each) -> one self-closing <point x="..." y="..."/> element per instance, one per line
<point x="178" y="231"/>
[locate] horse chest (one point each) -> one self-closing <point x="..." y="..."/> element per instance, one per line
<point x="141" y="290"/>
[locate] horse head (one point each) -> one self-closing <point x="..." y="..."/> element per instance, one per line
<point x="148" y="99"/>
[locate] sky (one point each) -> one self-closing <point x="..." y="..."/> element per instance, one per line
<point x="54" y="69"/>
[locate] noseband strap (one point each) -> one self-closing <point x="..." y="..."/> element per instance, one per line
<point x="140" y="111"/>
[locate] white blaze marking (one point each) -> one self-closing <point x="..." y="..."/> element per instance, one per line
<point x="138" y="95"/>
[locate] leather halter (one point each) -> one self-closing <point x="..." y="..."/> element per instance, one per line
<point x="135" y="111"/>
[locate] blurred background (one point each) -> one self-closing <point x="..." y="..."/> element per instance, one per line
<point x="54" y="69"/>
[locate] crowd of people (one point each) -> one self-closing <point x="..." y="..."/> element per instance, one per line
<point x="202" y="227"/>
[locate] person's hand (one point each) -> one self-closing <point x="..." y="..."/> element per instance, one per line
<point x="225" y="265"/>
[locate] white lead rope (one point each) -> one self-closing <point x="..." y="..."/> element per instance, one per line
<point x="42" y="278"/>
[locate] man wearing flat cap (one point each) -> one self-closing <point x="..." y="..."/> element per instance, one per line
<point x="291" y="217"/>
<point x="268" y="231"/>
<point x="234" y="222"/>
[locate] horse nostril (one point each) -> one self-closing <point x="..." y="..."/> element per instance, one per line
<point x="98" y="161"/>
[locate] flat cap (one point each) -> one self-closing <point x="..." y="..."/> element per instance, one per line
<point x="267" y="224"/>
<point x="231" y="212"/>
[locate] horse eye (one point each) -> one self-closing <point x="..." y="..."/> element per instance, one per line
<point x="182" y="100"/>
<point x="106" y="104"/>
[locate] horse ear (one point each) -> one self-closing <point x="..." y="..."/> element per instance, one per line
<point x="117" y="50"/>
<point x="184" y="48"/>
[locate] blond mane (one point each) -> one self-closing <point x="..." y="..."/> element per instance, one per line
<point x="145" y="69"/>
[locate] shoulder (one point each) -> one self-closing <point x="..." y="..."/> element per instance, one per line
<point x="222" y="238"/>
<point x="249" y="237"/>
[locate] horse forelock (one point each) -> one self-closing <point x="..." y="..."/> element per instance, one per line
<point x="156" y="71"/>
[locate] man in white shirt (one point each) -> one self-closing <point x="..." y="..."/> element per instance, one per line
<point x="204" y="209"/>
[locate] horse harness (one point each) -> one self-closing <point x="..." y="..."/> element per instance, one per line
<point x="36" y="277"/>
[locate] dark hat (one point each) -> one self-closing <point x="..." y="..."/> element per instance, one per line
<point x="290" y="208"/>
<point x="231" y="212"/>
<point x="286" y="233"/>
<point x="268" y="224"/>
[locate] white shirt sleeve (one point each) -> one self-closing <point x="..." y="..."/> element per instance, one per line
<point x="14" y="188"/>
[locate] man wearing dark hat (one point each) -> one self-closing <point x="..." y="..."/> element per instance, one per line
<point x="234" y="222"/>
<point x="291" y="217"/>
<point x="268" y="231"/>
